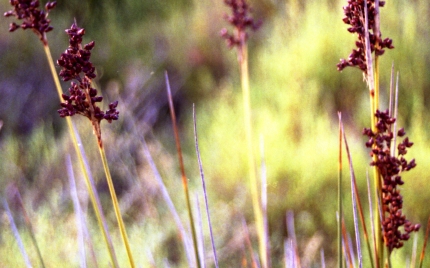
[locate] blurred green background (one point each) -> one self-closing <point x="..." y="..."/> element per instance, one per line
<point x="296" y="92"/>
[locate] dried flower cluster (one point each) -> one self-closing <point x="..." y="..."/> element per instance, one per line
<point x="241" y="21"/>
<point x="32" y="16"/>
<point x="76" y="65"/>
<point x="354" y="16"/>
<point x="390" y="167"/>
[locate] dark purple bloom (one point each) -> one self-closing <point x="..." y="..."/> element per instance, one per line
<point x="241" y="21"/>
<point x="390" y="167"/>
<point x="77" y="67"/>
<point x="32" y="17"/>
<point x="354" y="16"/>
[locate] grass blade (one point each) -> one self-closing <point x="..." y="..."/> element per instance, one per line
<point x="14" y="190"/>
<point x="254" y="256"/>
<point x="339" y="196"/>
<point x="202" y="176"/>
<point x="199" y="230"/>
<point x="357" y="203"/>
<point x="423" y="251"/>
<point x="322" y="258"/>
<point x="414" y="251"/>
<point x="181" y="165"/>
<point x="372" y="225"/>
<point x="346" y="246"/>
<point x="169" y="202"/>
<point x="264" y="202"/>
<point x="292" y="235"/>
<point x="78" y="212"/>
<point x="16" y="234"/>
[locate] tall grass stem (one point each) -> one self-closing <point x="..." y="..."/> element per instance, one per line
<point x="115" y="203"/>
<point x="91" y="189"/>
<point x="258" y="214"/>
<point x="182" y="168"/>
<point x="426" y="237"/>
<point x="373" y="83"/>
<point x="264" y="201"/>
<point x="339" y="196"/>
<point x="78" y="213"/>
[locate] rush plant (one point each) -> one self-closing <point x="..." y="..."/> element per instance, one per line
<point x="363" y="17"/>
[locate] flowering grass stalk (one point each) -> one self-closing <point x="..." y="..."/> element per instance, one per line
<point x="364" y="18"/>
<point x="241" y="22"/>
<point x="37" y="20"/>
<point x="83" y="99"/>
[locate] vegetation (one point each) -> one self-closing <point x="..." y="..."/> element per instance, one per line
<point x="295" y="94"/>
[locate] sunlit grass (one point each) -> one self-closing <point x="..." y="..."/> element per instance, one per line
<point x="296" y="92"/>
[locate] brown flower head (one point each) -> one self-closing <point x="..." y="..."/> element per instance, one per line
<point x="241" y="21"/>
<point x="354" y="16"/>
<point x="32" y="17"/>
<point x="76" y="65"/>
<point x="390" y="168"/>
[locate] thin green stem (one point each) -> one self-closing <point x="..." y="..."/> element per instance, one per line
<point x="258" y="213"/>
<point x="116" y="205"/>
<point x="423" y="251"/>
<point x="339" y="196"/>
<point x="378" y="186"/>
<point x="373" y="83"/>
<point x="91" y="189"/>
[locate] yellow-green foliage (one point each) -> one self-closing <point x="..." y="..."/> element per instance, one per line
<point x="296" y="92"/>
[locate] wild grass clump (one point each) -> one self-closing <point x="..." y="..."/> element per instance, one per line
<point x="279" y="133"/>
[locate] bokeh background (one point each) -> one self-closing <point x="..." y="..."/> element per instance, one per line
<point x="296" y="93"/>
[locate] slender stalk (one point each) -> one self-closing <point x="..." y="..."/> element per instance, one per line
<point x="355" y="201"/>
<point x="16" y="234"/>
<point x="30" y="228"/>
<point x="322" y="258"/>
<point x="258" y="214"/>
<point x="423" y="251"/>
<point x="254" y="261"/>
<point x="264" y="201"/>
<point x="414" y="251"/>
<point x="202" y="175"/>
<point x="339" y="196"/>
<point x="348" y="257"/>
<point x="372" y="221"/>
<point x="199" y="231"/>
<point x="116" y="205"/>
<point x="166" y="196"/>
<point x="91" y="188"/>
<point x="357" y="196"/>
<point x="292" y="234"/>
<point x="80" y="222"/>
<point x="181" y="164"/>
<point x="373" y="83"/>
